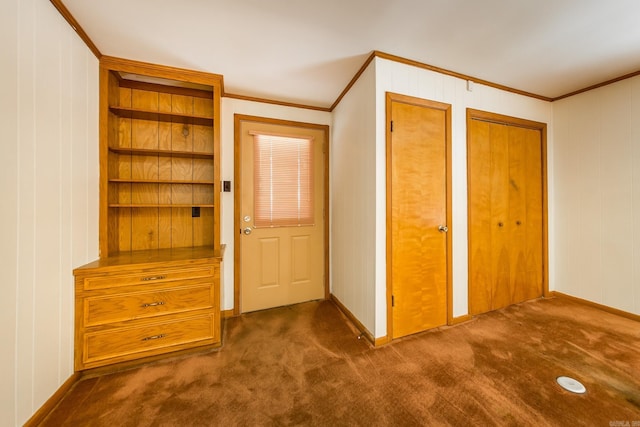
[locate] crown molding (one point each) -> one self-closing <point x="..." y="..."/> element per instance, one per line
<point x="353" y="80"/>
<point x="598" y="85"/>
<point x="62" y="9"/>
<point x="275" y="102"/>
<point x="76" y="27"/>
<point x="411" y="62"/>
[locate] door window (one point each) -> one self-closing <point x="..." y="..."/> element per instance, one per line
<point x="283" y="181"/>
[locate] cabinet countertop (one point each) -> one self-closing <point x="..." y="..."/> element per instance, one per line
<point x="140" y="258"/>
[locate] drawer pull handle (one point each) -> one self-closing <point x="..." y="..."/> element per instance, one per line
<point x="146" y="279"/>
<point x="153" y="337"/>
<point x="152" y="304"/>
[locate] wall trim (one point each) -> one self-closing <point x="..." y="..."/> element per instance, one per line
<point x="382" y="341"/>
<point x="424" y="66"/>
<point x="621" y="313"/>
<point x="53" y="401"/>
<point x="460" y="319"/>
<point x="411" y="62"/>
<point x="353" y="81"/>
<point x="274" y="102"/>
<point x="225" y="314"/>
<point x="354" y="320"/>
<point x="597" y="85"/>
<point x="76" y="27"/>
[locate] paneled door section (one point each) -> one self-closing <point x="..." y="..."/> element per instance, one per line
<point x="418" y="214"/>
<point x="506" y="211"/>
<point x="280" y="220"/>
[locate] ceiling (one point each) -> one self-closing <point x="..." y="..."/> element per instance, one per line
<point x="307" y="51"/>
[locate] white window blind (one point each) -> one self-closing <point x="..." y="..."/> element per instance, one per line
<point x="283" y="180"/>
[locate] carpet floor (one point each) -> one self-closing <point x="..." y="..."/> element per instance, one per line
<point x="304" y="365"/>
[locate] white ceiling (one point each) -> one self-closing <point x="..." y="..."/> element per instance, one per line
<point x="307" y="51"/>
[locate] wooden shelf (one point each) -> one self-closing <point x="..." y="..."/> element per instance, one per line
<point x="140" y="114"/>
<point x="159" y="219"/>
<point x="162" y="153"/>
<point x="159" y="181"/>
<point x="159" y="158"/>
<point x="155" y="205"/>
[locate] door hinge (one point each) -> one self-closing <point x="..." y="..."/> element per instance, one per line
<point x="393" y="301"/>
<point x="391" y="125"/>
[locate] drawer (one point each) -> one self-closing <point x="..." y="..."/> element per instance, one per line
<point x="136" y="305"/>
<point x="150" y="276"/>
<point x="128" y="343"/>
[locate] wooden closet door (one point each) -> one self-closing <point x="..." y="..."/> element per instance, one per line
<point x="525" y="213"/>
<point x="481" y="269"/>
<point x="501" y="244"/>
<point x="517" y="199"/>
<point x="489" y="182"/>
<point x="418" y="200"/>
<point x="505" y="215"/>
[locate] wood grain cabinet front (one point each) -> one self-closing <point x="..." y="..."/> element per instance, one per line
<point x="128" y="309"/>
<point x="128" y="342"/>
<point x="149" y="277"/>
<point x="138" y="304"/>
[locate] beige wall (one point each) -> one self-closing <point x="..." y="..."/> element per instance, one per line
<point x="597" y="195"/>
<point x="353" y="200"/>
<point x="9" y="211"/>
<point x="49" y="214"/>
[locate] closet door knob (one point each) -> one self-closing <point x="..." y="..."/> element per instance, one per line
<point x="443" y="228"/>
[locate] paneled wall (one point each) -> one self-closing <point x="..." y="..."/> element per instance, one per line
<point x="49" y="185"/>
<point x="597" y="195"/>
<point x="354" y="200"/>
<point x="396" y="77"/>
<point x="407" y="80"/>
<point x="359" y="218"/>
<point x="230" y="107"/>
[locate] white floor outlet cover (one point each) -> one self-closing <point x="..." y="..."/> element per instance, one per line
<point x="569" y="384"/>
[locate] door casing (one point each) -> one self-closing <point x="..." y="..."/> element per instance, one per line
<point x="238" y="119"/>
<point x="473" y="114"/>
<point x="390" y="99"/>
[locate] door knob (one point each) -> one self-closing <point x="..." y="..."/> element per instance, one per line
<point x="247" y="231"/>
<point x="443" y="228"/>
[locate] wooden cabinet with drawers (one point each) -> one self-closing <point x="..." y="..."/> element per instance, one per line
<point x="156" y="287"/>
<point x="146" y="303"/>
